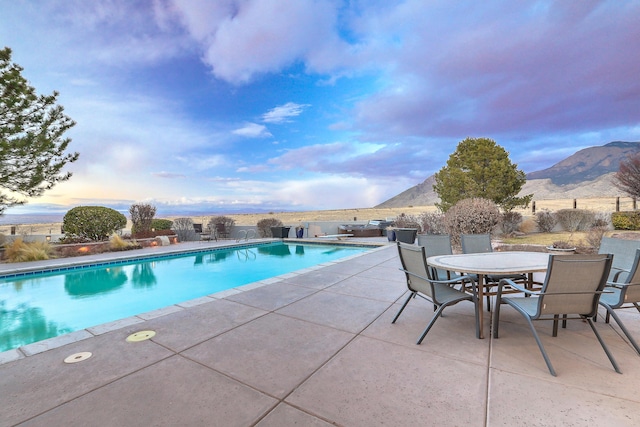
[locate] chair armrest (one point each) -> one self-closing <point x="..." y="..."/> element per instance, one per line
<point x="443" y="282"/>
<point x="426" y="279"/>
<point x="511" y="283"/>
<point x="460" y="279"/>
<point x="576" y="293"/>
<point x="615" y="285"/>
<point x="619" y="272"/>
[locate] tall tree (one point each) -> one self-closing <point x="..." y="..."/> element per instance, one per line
<point x="480" y="168"/>
<point x="628" y="176"/>
<point x="32" y="146"/>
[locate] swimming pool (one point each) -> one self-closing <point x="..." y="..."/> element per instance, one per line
<point x="37" y="306"/>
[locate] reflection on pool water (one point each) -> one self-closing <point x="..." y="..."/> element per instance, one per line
<point x="36" y="307"/>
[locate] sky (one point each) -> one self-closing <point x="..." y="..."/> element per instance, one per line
<point x="269" y="105"/>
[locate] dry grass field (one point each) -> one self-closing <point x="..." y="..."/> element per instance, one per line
<point x="598" y="204"/>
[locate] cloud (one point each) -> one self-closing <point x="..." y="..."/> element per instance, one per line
<point x="253" y="130"/>
<point x="357" y="159"/>
<point x="169" y="175"/>
<point x="253" y="169"/>
<point x="242" y="39"/>
<point x="283" y="113"/>
<point x="197" y="161"/>
<point x="525" y="70"/>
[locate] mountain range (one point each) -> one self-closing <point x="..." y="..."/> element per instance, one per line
<point x="586" y="173"/>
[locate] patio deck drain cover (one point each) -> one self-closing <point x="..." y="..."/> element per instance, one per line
<point x="78" y="357"/>
<point x="141" y="336"/>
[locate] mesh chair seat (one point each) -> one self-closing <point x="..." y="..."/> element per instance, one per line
<point x="612" y="297"/>
<point x="527" y="304"/>
<point x="446" y="294"/>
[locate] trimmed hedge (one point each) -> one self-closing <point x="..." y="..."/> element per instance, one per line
<point x="626" y="220"/>
<point x="93" y="223"/>
<point x="161" y="224"/>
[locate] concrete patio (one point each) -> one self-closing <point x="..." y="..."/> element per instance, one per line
<point x="317" y="348"/>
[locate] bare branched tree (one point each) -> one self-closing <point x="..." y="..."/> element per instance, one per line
<point x="627" y="178"/>
<point x="141" y="217"/>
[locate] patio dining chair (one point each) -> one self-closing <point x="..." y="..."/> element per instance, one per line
<point x="572" y="287"/>
<point x="420" y="282"/>
<point x="437" y="244"/>
<point x="481" y="243"/>
<point x="624" y="294"/>
<point x="476" y="243"/>
<point x="623" y="251"/>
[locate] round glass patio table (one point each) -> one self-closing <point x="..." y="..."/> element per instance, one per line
<point x="492" y="263"/>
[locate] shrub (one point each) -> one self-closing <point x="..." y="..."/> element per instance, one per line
<point x="407" y="221"/>
<point x="161" y="224"/>
<point x="117" y="243"/>
<point x="510" y="222"/>
<point x="546" y="221"/>
<point x="95" y="223"/>
<point x="626" y="220"/>
<point x="264" y="226"/>
<point x="19" y="251"/>
<point x="141" y="217"/>
<point x="12" y="249"/>
<point x="594" y="235"/>
<point x="68" y="239"/>
<point x="224" y="220"/>
<point x="575" y="219"/>
<point x="432" y="223"/>
<point x="471" y="216"/>
<point x="183" y="228"/>
<point x="602" y="219"/>
<point x="528" y="226"/>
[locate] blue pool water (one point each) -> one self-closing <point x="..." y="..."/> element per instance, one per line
<point x="44" y="305"/>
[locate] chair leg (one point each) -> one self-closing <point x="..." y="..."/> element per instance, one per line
<point x="540" y="346"/>
<point x="403" y="306"/>
<point x="555" y="325"/>
<point x="433" y="320"/>
<point x="624" y="329"/>
<point x="604" y="346"/>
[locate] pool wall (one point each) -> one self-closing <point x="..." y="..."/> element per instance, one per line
<point x="119" y="258"/>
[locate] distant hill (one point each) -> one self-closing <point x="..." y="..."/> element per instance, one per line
<point x="588" y="164"/>
<point x="586" y="173"/>
<point x="418" y="195"/>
